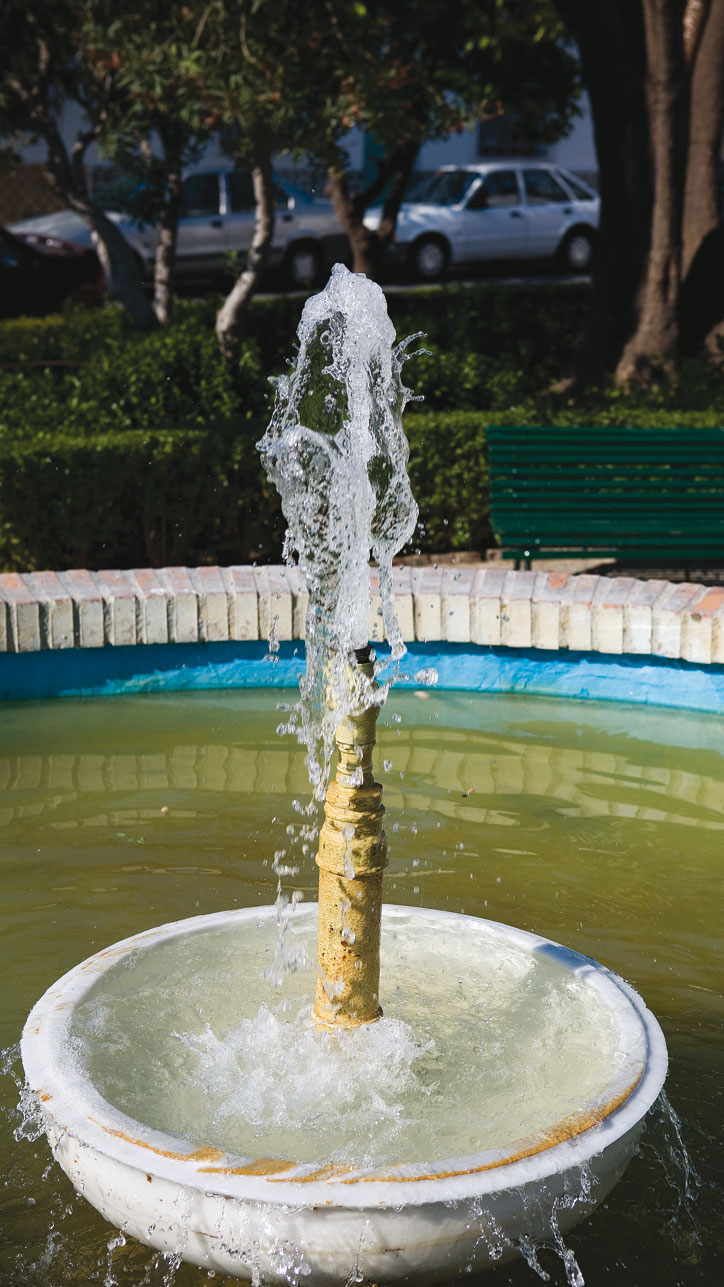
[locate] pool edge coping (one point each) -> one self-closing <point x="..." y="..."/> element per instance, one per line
<point x="547" y="611"/>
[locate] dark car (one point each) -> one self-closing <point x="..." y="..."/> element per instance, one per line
<point x="38" y="273"/>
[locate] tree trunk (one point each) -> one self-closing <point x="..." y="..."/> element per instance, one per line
<point x="650" y="351"/>
<point x="121" y="270"/>
<point x="228" y="319"/>
<point x="610" y="34"/>
<point x="165" y="264"/>
<point x="702" y="298"/>
<point x="368" y="246"/>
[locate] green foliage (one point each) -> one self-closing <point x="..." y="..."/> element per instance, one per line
<point x="449" y="477"/>
<point x="181" y="496"/>
<point x="94" y="373"/>
<point x="119" y="448"/>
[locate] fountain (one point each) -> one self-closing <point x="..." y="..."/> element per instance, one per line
<point x="187" y="1084"/>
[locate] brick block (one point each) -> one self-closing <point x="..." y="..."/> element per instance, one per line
<point x="404" y="602"/>
<point x="22" y="613"/>
<point x="697" y="636"/>
<point x="576" y="612"/>
<point x="152" y="600"/>
<point x="427" y="603"/>
<point x="275" y="602"/>
<point x="300" y="601"/>
<point x="119" y="607"/>
<point x="638" y="615"/>
<point x="243" y="602"/>
<point x="375" y="623"/>
<point x="485" y="609"/>
<point x="717" y="639"/>
<point x="516" y="610"/>
<point x="87" y="607"/>
<point x="548" y="593"/>
<point x="666" y="634"/>
<point x="183" y="604"/>
<point x="213" y="604"/>
<point x="56" y="610"/>
<point x="607" y="613"/>
<point x="457" y="584"/>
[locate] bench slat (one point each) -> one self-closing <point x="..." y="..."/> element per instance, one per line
<point x="564" y="490"/>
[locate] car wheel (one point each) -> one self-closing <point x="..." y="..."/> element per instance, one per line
<point x="429" y="258"/>
<point x="576" y="252"/>
<point x="303" y="265"/>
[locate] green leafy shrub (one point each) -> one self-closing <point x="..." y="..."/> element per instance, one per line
<point x="119" y="448"/>
<point x="134" y="498"/>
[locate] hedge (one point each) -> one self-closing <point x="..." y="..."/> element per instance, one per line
<point x="193" y="496"/>
<point x="88" y="372"/>
<point x="119" y="448"/>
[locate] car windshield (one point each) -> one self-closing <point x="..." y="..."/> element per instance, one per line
<point x="446" y="188"/>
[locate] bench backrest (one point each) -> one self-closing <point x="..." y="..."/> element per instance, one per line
<point x="647" y="491"/>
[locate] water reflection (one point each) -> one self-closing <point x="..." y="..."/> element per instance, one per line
<point x="597" y="826"/>
<point x="460" y="773"/>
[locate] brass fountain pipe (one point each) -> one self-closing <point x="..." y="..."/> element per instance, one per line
<point x="351" y="859"/>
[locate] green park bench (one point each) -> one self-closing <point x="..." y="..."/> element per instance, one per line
<point x="646" y="496"/>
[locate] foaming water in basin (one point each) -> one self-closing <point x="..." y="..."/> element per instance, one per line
<point x="480" y="1050"/>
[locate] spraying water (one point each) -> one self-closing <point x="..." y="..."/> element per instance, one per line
<point x="336" y="451"/>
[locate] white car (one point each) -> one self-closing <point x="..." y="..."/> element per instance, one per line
<point x="514" y="209"/>
<point x="218" y="217"/>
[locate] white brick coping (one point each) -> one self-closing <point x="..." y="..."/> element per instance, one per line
<point x="547" y="610"/>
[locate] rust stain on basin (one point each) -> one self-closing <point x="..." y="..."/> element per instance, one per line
<point x="198" y="1155"/>
<point x="259" y="1166"/>
<point x="330" y="1172"/>
<point x="566" y="1129"/>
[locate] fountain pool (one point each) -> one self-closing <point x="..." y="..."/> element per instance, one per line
<point x="599" y="826"/>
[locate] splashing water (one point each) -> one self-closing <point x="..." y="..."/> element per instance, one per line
<point x="336" y="451"/>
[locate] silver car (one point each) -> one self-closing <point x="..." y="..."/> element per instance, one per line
<point x="496" y="210"/>
<point x="218" y="217"/>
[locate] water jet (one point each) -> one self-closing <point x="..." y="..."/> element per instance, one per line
<point x="389" y="1218"/>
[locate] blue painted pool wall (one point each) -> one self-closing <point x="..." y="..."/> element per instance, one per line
<point x="177" y="667"/>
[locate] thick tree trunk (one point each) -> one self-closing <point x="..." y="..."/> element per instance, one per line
<point x="165" y="264"/>
<point x="650" y="351"/>
<point x="368" y="246"/>
<point x="228" y="319"/>
<point x="123" y="277"/>
<point x="702" y="297"/>
<point x="610" y="34"/>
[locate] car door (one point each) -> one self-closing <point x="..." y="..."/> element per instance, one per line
<point x="200" y="244"/>
<point x="493" y="224"/>
<point x="240" y="215"/>
<point x="548" y="212"/>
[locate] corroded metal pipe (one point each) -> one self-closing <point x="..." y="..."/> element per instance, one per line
<point x="351" y="859"/>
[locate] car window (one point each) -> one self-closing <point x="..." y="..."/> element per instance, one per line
<point x="541" y="187"/>
<point x="498" y="189"/>
<point x="448" y="187"/>
<point x="578" y="189"/>
<point x="241" y="193"/>
<point x="201" y="195"/>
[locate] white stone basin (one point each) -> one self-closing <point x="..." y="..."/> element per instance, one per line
<point x="322" y="1221"/>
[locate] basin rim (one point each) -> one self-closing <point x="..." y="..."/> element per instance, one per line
<point x="76" y="1109"/>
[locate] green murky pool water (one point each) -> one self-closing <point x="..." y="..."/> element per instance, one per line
<point x="601" y="826"/>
